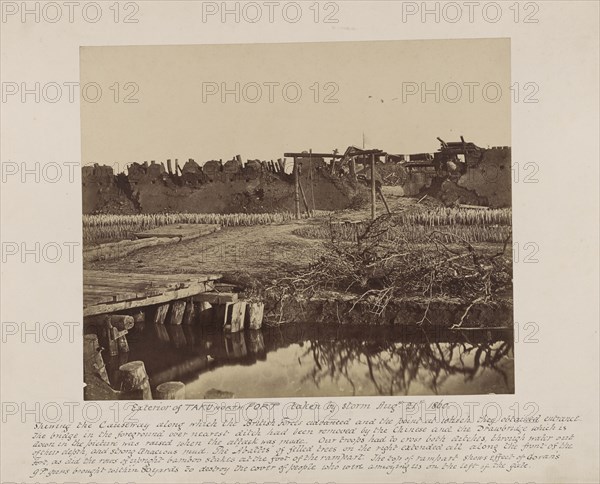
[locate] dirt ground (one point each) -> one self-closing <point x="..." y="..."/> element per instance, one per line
<point x="258" y="250"/>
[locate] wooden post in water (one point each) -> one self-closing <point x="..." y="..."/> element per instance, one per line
<point x="205" y="312"/>
<point x="296" y="188"/>
<point x="133" y="377"/>
<point x="238" y="314"/>
<point x="122" y="343"/>
<point x="373" y="189"/>
<point x="254" y="315"/>
<point x="189" y="314"/>
<point x="93" y="357"/>
<point x="161" y="313"/>
<point x="177" y="310"/>
<point x="171" y="390"/>
<point x="111" y="338"/>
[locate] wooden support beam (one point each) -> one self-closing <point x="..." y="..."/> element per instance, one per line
<point x="318" y="155"/>
<point x="161" y="314"/>
<point x="222" y="287"/>
<point x="373" y="194"/>
<point x="234" y="317"/>
<point x="332" y="164"/>
<point x="387" y="207"/>
<point x="111" y="339"/>
<point x="189" y="315"/>
<point x="176" y="314"/>
<point x="296" y="188"/>
<point x="206" y="313"/>
<point x="254" y="315"/>
<point x="357" y="151"/>
<point x="222" y="314"/>
<point x="304" y="198"/>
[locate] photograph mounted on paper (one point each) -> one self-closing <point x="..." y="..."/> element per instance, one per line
<point x="297" y="220"/>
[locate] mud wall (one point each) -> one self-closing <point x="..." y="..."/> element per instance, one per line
<point x="491" y="178"/>
<point x="264" y="186"/>
<point x="103" y="192"/>
<point x="485" y="182"/>
<point x="215" y="187"/>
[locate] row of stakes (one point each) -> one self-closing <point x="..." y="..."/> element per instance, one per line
<point x="132" y="376"/>
<point x="133" y="380"/>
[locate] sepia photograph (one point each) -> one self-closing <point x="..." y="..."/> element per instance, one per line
<point x="275" y="241"/>
<point x="299" y="220"/>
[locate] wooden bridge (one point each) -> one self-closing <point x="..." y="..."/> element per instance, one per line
<point x="109" y="292"/>
<point x="113" y="303"/>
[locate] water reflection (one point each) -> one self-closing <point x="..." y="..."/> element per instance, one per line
<point x="317" y="360"/>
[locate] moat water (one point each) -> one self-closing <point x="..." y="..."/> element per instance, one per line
<point x="323" y="360"/>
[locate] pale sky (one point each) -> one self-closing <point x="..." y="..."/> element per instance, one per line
<point x="177" y="117"/>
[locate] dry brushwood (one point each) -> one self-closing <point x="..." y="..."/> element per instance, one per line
<point x="378" y="269"/>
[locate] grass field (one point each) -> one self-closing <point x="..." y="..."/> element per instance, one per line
<point x="109" y="228"/>
<point x="473" y="226"/>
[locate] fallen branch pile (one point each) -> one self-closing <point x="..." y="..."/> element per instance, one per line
<point x="378" y="268"/>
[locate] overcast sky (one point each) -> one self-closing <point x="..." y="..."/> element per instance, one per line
<point x="181" y="112"/>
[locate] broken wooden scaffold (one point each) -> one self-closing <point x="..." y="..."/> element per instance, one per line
<point x="349" y="158"/>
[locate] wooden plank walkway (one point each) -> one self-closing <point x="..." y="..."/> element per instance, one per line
<point x="107" y="292"/>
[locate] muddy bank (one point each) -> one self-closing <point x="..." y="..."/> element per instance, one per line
<point x="338" y="308"/>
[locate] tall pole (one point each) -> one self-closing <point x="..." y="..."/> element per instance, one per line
<point x="296" y="188"/>
<point x="373" y="190"/>
<point x="312" y="183"/>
